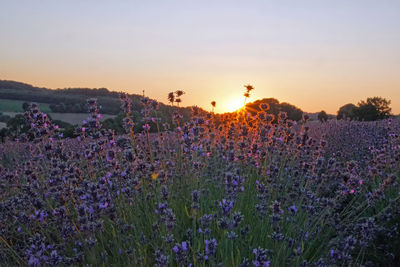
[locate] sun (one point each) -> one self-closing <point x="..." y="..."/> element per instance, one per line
<point x="234" y="105"/>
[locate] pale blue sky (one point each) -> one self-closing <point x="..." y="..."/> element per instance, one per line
<point x="314" y="54"/>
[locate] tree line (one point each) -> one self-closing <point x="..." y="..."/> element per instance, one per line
<point x="371" y="109"/>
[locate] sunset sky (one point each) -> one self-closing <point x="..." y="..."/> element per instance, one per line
<point x="317" y="55"/>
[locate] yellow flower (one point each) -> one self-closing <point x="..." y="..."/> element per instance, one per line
<point x="154" y="176"/>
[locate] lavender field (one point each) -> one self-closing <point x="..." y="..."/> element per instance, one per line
<point x="219" y="190"/>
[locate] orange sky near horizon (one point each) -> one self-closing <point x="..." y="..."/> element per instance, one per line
<point x="228" y="91"/>
<point x="316" y="56"/>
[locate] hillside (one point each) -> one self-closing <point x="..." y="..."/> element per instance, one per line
<point x="70" y="105"/>
<point x="68" y="100"/>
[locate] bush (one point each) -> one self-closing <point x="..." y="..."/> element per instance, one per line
<point x="322" y="116"/>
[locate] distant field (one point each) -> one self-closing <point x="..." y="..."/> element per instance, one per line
<point x="72" y="118"/>
<point x="16" y="106"/>
<point x="75" y="118"/>
<point x="11" y="113"/>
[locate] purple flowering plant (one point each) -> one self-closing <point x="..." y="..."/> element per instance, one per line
<point x="235" y="189"/>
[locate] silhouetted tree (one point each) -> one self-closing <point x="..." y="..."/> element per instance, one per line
<point x="274" y="107"/>
<point x="254" y="107"/>
<point x="374" y="108"/>
<point x="292" y="112"/>
<point x="17" y="125"/>
<point x="347" y="111"/>
<point x="322" y="116"/>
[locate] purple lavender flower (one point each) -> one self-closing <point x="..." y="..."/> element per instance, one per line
<point x="210" y="246"/>
<point x="226" y="206"/>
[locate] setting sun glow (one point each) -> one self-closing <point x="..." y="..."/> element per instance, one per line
<point x="234" y="105"/>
